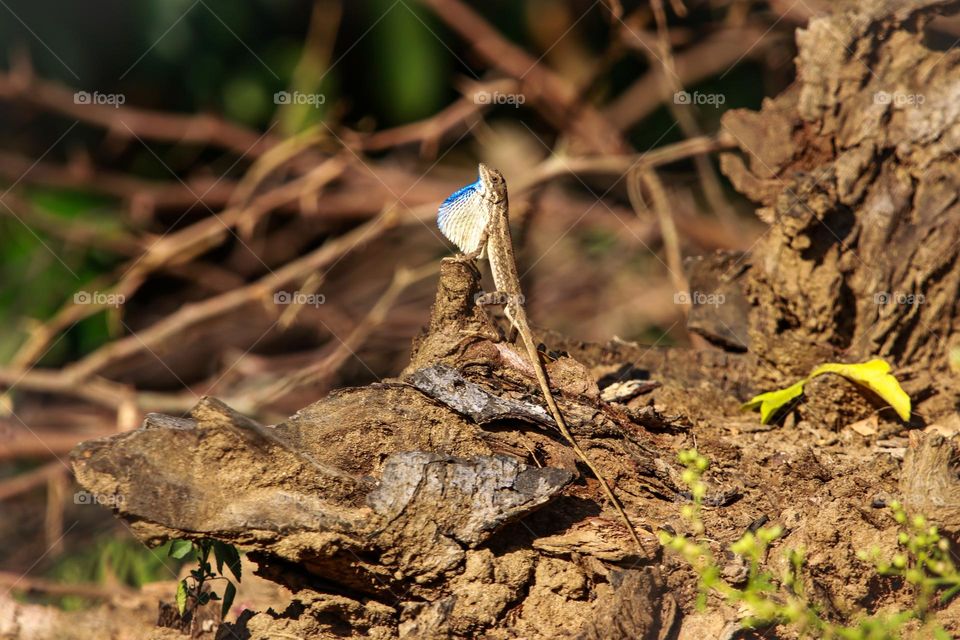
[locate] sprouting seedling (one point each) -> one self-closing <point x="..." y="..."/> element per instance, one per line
<point x="224" y="554"/>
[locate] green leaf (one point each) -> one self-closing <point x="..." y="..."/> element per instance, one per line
<point x="218" y="555"/>
<point x="772" y="401"/>
<point x="180" y="548"/>
<point x="228" y="595"/>
<point x="182" y="596"/>
<point x="227" y="553"/>
<point x="949" y="594"/>
<point x="874" y="375"/>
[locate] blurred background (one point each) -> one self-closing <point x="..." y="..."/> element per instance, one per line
<point x="203" y="197"/>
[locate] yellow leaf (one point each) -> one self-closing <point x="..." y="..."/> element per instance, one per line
<point x="874" y="375"/>
<point x="772" y="401"/>
<point x="182" y="596"/>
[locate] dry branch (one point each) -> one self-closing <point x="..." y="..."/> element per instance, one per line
<point x="547" y="91"/>
<point x="715" y="54"/>
<point x="124" y="121"/>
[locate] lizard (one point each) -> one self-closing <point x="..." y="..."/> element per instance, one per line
<point x="476" y="219"/>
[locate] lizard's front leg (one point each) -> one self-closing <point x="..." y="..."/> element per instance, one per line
<point x="490" y="332"/>
<point x="510" y="303"/>
<point x="491" y="298"/>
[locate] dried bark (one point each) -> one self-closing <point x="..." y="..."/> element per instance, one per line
<point x="399" y="493"/>
<point x="929" y="484"/>
<point x="854" y="169"/>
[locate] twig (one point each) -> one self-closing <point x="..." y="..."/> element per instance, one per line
<point x="125" y="121"/>
<point x="322" y="370"/>
<point x="671" y="241"/>
<point x="175" y="248"/>
<point x="551" y="94"/>
<point x="18" y="484"/>
<point x="53" y="516"/>
<point x="96" y="390"/>
<point x="620" y="164"/>
<point x="74" y="232"/>
<point x="158" y="336"/>
<point x="141" y="195"/>
<point x="17" y="582"/>
<point x="50" y="441"/>
<point x="429" y="132"/>
<point x="309" y="287"/>
<point x="270" y="162"/>
<point x="712" y="55"/>
<point x="683" y="114"/>
<point x="668" y="229"/>
<point x="315" y="55"/>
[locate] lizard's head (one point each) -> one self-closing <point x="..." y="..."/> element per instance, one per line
<point x="492" y="186"/>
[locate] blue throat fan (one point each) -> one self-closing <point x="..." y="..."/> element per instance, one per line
<point x="462" y="217"/>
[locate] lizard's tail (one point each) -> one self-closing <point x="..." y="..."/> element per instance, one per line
<point x="561" y="423"/>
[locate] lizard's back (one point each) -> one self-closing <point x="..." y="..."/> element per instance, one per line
<point x="503" y="264"/>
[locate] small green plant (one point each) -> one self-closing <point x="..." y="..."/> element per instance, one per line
<point x="195" y="588"/>
<point x="925" y="563"/>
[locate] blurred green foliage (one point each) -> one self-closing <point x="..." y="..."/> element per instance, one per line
<point x="41" y="270"/>
<point x="111" y="560"/>
<point x="413" y="76"/>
